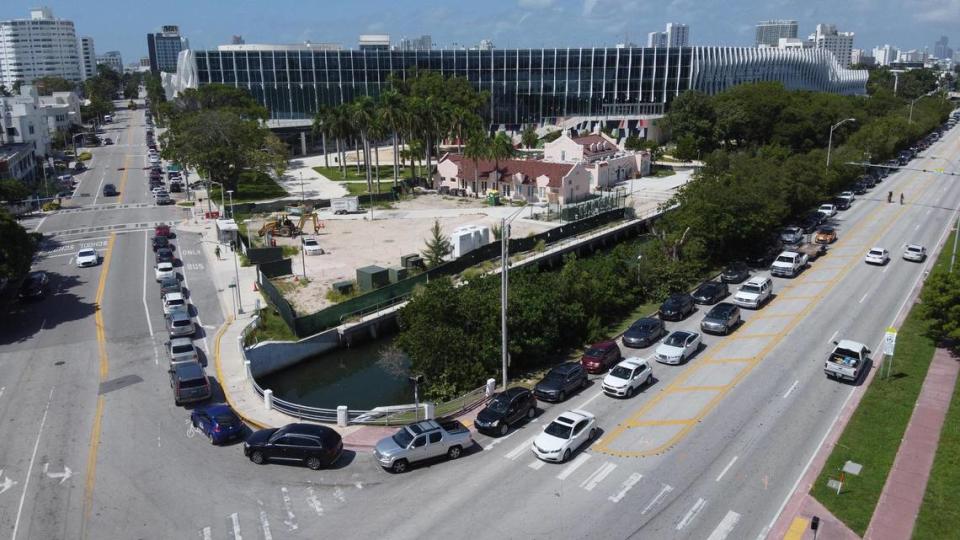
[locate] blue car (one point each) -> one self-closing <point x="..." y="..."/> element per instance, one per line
<point x="218" y="422"/>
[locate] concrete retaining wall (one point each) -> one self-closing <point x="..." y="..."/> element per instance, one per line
<point x="270" y="356"/>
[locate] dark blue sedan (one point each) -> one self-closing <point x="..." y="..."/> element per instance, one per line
<point x="218" y="422"/>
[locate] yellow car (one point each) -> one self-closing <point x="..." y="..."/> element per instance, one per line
<point x="826" y="235"/>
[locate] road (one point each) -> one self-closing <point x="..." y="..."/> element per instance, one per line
<point x="711" y="450"/>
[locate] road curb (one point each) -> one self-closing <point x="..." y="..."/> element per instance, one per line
<point x="223" y="385"/>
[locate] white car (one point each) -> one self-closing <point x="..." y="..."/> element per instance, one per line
<point x="87" y="257"/>
<point x="754" y="292"/>
<point x="678" y="347"/>
<point x="914" y="252"/>
<point x="164" y="270"/>
<point x="154" y="160"/>
<point x="849" y="195"/>
<point x="877" y="255"/>
<point x="174" y="302"/>
<point x="311" y="246"/>
<point x="828" y="210"/>
<point x="157" y="189"/>
<point x="565" y="435"/>
<point x="627" y="377"/>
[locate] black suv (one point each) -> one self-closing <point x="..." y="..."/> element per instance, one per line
<point x="644" y="332"/>
<point x="561" y="381"/>
<point x="677" y="307"/>
<point x="316" y="446"/>
<point x="506" y="409"/>
<point x="165" y="255"/>
<point x="710" y="292"/>
<point x="721" y="319"/>
<point x="161" y="242"/>
<point x="735" y="273"/>
<point x="109" y="190"/>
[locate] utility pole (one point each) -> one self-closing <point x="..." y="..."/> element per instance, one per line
<point x="830" y="138"/>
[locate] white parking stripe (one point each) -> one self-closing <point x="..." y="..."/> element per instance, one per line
<point x="206" y="533"/>
<point x="499" y="440"/>
<point x="625" y="487"/>
<point x="725" y="527"/>
<point x="525" y="445"/>
<point x="667" y="488"/>
<point x="291" y="521"/>
<point x="265" y="523"/>
<point x="692" y="513"/>
<point x="727" y="468"/>
<point x="536" y="465"/>
<point x="598" y="476"/>
<point x="791" y="389"/>
<point x="314" y="502"/>
<point x="574" y="465"/>
<point x="235" y="521"/>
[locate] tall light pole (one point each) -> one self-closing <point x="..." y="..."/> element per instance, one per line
<point x="236" y="264"/>
<point x="910" y="120"/>
<point x="504" y="285"/>
<point x="230" y="192"/>
<point x="830" y="138"/>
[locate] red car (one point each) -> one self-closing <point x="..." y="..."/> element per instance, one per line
<point x="162" y="230"/>
<point x="600" y="356"/>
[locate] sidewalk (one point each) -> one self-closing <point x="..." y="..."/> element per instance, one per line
<point x="902" y="495"/>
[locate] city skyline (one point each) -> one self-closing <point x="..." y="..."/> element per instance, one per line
<point x="507" y="23"/>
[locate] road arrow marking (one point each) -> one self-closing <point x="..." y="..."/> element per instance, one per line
<point x="6" y="484"/>
<point x="63" y="476"/>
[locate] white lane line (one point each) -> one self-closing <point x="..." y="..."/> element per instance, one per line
<point x="235" y="521"/>
<point x="864" y="297"/>
<point x="725" y="527"/>
<point x="833" y="337"/>
<point x="33" y="457"/>
<point x="206" y="533"/>
<point x="264" y="523"/>
<point x="727" y="468"/>
<point x="39" y="224"/>
<point x="692" y="513"/>
<point x="917" y="227"/>
<point x="598" y="476"/>
<point x="499" y="440"/>
<point x="625" y="487"/>
<point x="667" y="488"/>
<point x="314" y="502"/>
<point x="525" y="445"/>
<point x="536" y="465"/>
<point x="791" y="389"/>
<point x="99" y="188"/>
<point x="574" y="465"/>
<point x="1" y="391"/>
<point x="929" y="210"/>
<point x="598" y="394"/>
<point x="291" y="521"/>
<point x="146" y="311"/>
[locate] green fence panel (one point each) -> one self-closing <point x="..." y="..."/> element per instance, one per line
<point x="272" y="269"/>
<point x="275" y="297"/>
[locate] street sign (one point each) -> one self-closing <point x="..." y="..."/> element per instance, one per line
<point x="889" y="341"/>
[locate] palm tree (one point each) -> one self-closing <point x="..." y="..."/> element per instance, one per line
<point x="341" y="128"/>
<point x="478" y="147"/>
<point x="501" y="147"/>
<point x="393" y="115"/>
<point x="363" y="111"/>
<point x="320" y="126"/>
<point x="377" y="131"/>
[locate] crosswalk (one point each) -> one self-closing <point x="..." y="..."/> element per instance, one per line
<point x="278" y="516"/>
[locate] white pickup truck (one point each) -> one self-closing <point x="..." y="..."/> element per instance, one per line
<point x="846" y="361"/>
<point x="424" y="440"/>
<point x="788" y="264"/>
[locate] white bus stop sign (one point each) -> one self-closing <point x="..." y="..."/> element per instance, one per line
<point x="889" y="341"/>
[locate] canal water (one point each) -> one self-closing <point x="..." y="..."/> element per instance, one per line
<point x="362" y="377"/>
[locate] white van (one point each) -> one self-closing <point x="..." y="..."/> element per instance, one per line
<point x="107" y="118"/>
<point x="754" y="292"/>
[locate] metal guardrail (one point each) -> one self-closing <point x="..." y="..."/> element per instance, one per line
<point x="379" y="306"/>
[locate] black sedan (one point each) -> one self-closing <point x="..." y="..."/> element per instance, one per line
<point x="710" y="292"/>
<point x="161" y="242"/>
<point x="735" y="273"/>
<point x="644" y="333"/>
<point x="313" y="445"/>
<point x="506" y="409"/>
<point x="677" y="307"/>
<point x="561" y="381"/>
<point x="35" y="286"/>
<point x="165" y="255"/>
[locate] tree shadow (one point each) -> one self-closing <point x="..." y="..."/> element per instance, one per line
<point x="23" y="320"/>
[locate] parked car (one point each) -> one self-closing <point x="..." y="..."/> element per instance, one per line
<point x="791" y="235"/>
<point x="877" y="255"/>
<point x="181" y="349"/>
<point x="87" y="257"/>
<point x="34" y="286"/>
<point x="161" y="242"/>
<point x="915" y="253"/>
<point x="164" y="270"/>
<point x="735" y="273"/>
<point x="189" y="383"/>
<point x="313" y="445"/>
<point x="506" y="409"/>
<point x="169" y="285"/>
<point x="163" y="199"/>
<point x="164" y="254"/>
<point x="710" y="292"/>
<point x="846" y="361"/>
<point x="811" y="221"/>
<point x="842" y="203"/>
<point x="789" y="264"/>
<point x="107" y="140"/>
<point x="764" y="255"/>
<point x="828" y="210"/>
<point x="176" y="187"/>
<point x="427" y="439"/>
<point x="721" y="319"/>
<point x="311" y="246"/>
<point x="174" y="303"/>
<point x="180" y="324"/>
<point x="218" y="422"/>
<point x="678" y="347"/>
<point x="644" y="332"/>
<point x="627" y="377"/>
<point x="561" y="381"/>
<point x="110" y="190"/>
<point x="859" y="188"/>
<point x="565" y="435"/>
<point x="827" y="234"/>
<point x="754" y="293"/>
<point x="677" y="306"/>
<point x="163" y="230"/>
<point x="600" y="356"/>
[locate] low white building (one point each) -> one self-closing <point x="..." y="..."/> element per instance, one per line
<point x="607" y="163"/>
<point x="17" y="161"/>
<point x="62" y="110"/>
<point x="530" y="180"/>
<point x="23" y="121"/>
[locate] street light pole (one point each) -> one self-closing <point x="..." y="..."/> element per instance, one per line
<point x="910" y="121"/>
<point x="504" y="287"/>
<point x="830" y="138"/>
<point x="230" y="192"/>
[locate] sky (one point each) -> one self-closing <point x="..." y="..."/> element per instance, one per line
<point x="123" y="25"/>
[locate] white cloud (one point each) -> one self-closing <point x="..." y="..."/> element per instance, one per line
<point x="535" y="4"/>
<point x="940" y="11"/>
<point x="588" y="6"/>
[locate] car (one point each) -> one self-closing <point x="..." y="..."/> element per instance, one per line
<point x="218" y="422"/>
<point x="176" y="187"/>
<point x="627" y="377"/>
<point x="842" y="203"/>
<point x="87" y="257"/>
<point x="828" y="210"/>
<point x="644" y="332"/>
<point x="737" y="272"/>
<point x="847" y="360"/>
<point x="34" y="286"/>
<point x="156" y="190"/>
<point x="107" y="140"/>
<point x="109" y="190"/>
<point x="154" y="159"/>
<point x="506" y="409"/>
<point x="164" y="270"/>
<point x="859" y="188"/>
<point x="180" y="324"/>
<point x="561" y="381"/>
<point x="313" y="445"/>
<point x="164" y="254"/>
<point x="791" y="235"/>
<point x="676" y="307"/>
<point x="189" y="383"/>
<point x="600" y="356"/>
<point x="811" y="221"/>
<point x="161" y="242"/>
<point x="163" y="199"/>
<point x="710" y="292"/>
<point x="754" y="292"/>
<point x="914" y="252"/>
<point x="163" y="230"/>
<point x="181" y="349"/>
<point x="169" y="285"/>
<point x="765" y="254"/>
<point x="721" y="319"/>
<point x="311" y="246"/>
<point x="565" y="435"/>
<point x="826" y="234"/>
<point x="877" y="255"/>
<point x="678" y="347"/>
<point x="175" y="303"/>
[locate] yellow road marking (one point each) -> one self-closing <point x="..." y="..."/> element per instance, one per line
<point x="673" y="422"/>
<point x="681" y="389"/>
<point x="729" y="360"/>
<point x="797" y="528"/>
<point x="223" y="383"/>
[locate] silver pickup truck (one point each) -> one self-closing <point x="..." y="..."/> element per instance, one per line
<point x="421" y="441"/>
<point x="847" y="360"/>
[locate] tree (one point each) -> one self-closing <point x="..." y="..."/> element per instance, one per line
<point x="16" y="248"/>
<point x="941" y="305"/>
<point x="692" y="114"/>
<point x="633" y="143"/>
<point x="529" y="137"/>
<point x="438" y="246"/>
<point x="48" y="85"/>
<point x="392" y="113"/>
<point x="501" y="147"/>
<point x="219" y="97"/>
<point x="13" y="190"/>
<point x="4" y="92"/>
<point x="478" y="147"/>
<point x="363" y="111"/>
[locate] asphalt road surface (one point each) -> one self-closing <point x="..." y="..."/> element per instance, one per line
<point x="711" y="450"/>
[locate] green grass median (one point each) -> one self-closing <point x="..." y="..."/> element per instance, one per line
<point x="252" y="187"/>
<point x="335" y="174"/>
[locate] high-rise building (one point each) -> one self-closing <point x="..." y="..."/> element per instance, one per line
<point x="112" y="60"/>
<point x="485" y="45"/>
<point x="770" y="32"/>
<point x="860" y="57"/>
<point x="676" y="35"/>
<point x="657" y="39"/>
<point x="839" y="43"/>
<point x="941" y="50"/>
<point x="422" y="43"/>
<point x="237" y="40"/>
<point x="40" y="46"/>
<point x="164" y="47"/>
<point x="374" y="42"/>
<point x="886" y="55"/>
<point x="88" y="58"/>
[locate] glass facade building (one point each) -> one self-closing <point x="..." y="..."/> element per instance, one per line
<point x="524" y="85"/>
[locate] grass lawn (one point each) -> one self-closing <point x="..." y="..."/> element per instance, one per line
<point x="360" y="189"/>
<point x="252" y="187"/>
<point x="272" y="328"/>
<point x="386" y="172"/>
<point x="662" y="172"/>
<point x="873" y="435"/>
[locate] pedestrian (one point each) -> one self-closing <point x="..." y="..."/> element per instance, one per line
<point x="889" y="196"/>
<point x="216" y="251"/>
<point x="901" y="198"/>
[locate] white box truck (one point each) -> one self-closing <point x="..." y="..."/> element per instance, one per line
<point x="345" y="205"/>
